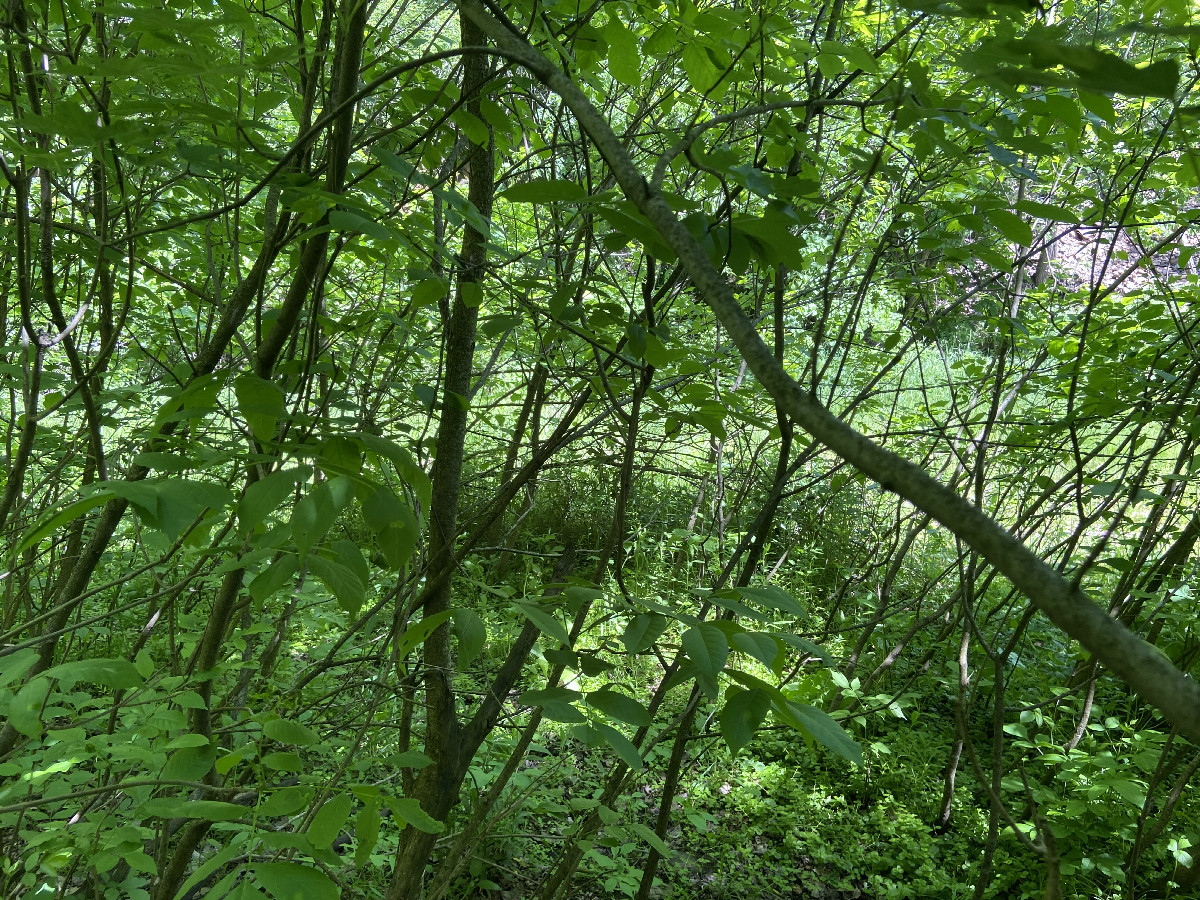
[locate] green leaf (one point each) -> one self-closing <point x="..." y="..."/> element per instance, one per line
<point x="706" y="646"/>
<point x="650" y="838"/>
<point x="312" y="517"/>
<point x="619" y="706"/>
<point x="350" y="556"/>
<point x="263" y="496"/>
<point x="623" y="62"/>
<point x="642" y="631"/>
<point x="475" y="129"/>
<point x="430" y="291"/>
<point x="822" y="727"/>
<point x="549" y="695"/>
<point x="25" y="708"/>
<point x="225" y="763"/>
<point x="545" y="620"/>
<point x="701" y="73"/>
<point x="763" y="647"/>
<point x="410" y="759"/>
<point x="15" y="665"/>
<point x="327" y="823"/>
<point x="118" y="674"/>
<point x="209" y="866"/>
<point x="274" y="577"/>
<point x="1011" y="225"/>
<point x="774" y="597"/>
<point x="471" y="293"/>
<point x="409" y="811"/>
<point x="741" y="716"/>
<point x="808" y="647"/>
<point x="366" y="831"/>
<point x="595" y="733"/>
<point x="471" y="634"/>
<point x="545" y="190"/>
<point x="261" y="404"/>
<point x="1048" y="211"/>
<point x="345" y="220"/>
<point x="292" y="881"/>
<point x="1131" y="792"/>
<point x="283" y="761"/>
<point x="345" y="584"/>
<point x="190" y="763"/>
<point x="180" y="808"/>
<point x="54" y="521"/>
<point x="284" y="802"/>
<point x="285" y="731"/>
<point x="417" y="633"/>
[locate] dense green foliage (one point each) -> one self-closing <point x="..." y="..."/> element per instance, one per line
<point x="395" y="506"/>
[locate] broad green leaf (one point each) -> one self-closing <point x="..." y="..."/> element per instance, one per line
<point x="209" y="866"/>
<point x="774" y="597"/>
<point x="264" y="495"/>
<point x="274" y="577"/>
<point x="118" y="674"/>
<point x="651" y="838"/>
<point x="25" y="708"/>
<point x="763" y="647"/>
<point x="383" y="508"/>
<point x="830" y="64"/>
<point x="475" y="129"/>
<point x="623" y="62"/>
<point x="1011" y="225"/>
<point x="619" y="706"/>
<point x="181" y="501"/>
<point x="1048" y="211"/>
<point x="285" y="731"/>
<point x="327" y="823"/>
<point x="346" y="220"/>
<point x="261" y="404"/>
<point x="312" y="517"/>
<point x="808" y="647"/>
<point x="344" y="583"/>
<point x="471" y="293"/>
<point x="546" y="621"/>
<point x="292" y="881"/>
<point x="225" y="763"/>
<point x="410" y="759"/>
<point x="283" y="761"/>
<point x="822" y="727"/>
<point x="701" y="73"/>
<point x="544" y="190"/>
<point x="418" y="632"/>
<point x="190" y="763"/>
<point x="181" y="808"/>
<point x="286" y="801"/>
<point x="1131" y="792"/>
<point x="398" y="541"/>
<point x="51" y="523"/>
<point x="596" y="733"/>
<point x="350" y="556"/>
<point x="409" y="811"/>
<point x="16" y="665"/>
<point x="471" y="634"/>
<point x="1098" y="71"/>
<point x="706" y="646"/>
<point x="366" y="831"/>
<point x="741" y="716"/>
<point x="549" y="695"/>
<point x="430" y="291"/>
<point x="642" y="631"/>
